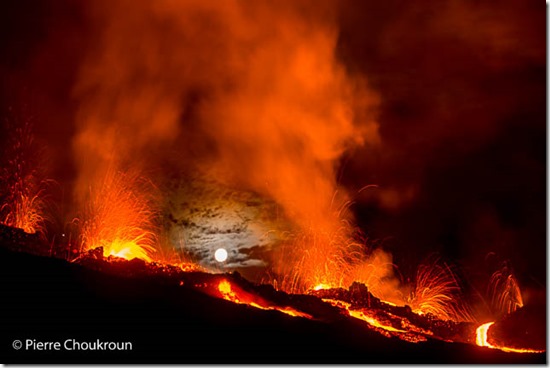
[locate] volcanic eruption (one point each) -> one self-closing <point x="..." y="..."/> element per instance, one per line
<point x="365" y="177"/>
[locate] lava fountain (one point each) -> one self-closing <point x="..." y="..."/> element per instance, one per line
<point x="22" y="193"/>
<point x="504" y="292"/>
<point x="121" y="217"/>
<point x="437" y="292"/>
<point x="314" y="258"/>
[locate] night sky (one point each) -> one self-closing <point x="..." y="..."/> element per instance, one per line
<point x="459" y="167"/>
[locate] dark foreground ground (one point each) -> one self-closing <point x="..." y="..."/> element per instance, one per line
<point x="47" y="299"/>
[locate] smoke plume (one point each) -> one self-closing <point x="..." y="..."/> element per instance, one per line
<point x="250" y="92"/>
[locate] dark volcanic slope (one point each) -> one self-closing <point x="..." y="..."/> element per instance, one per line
<point x="50" y="299"/>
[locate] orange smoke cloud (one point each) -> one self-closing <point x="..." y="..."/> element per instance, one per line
<point x="276" y="108"/>
<point x="290" y="119"/>
<point x="251" y="93"/>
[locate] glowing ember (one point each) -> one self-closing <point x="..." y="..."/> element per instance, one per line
<point x="227" y="292"/>
<point x="482" y="333"/>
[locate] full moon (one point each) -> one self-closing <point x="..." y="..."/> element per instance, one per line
<point x="220" y="255"/>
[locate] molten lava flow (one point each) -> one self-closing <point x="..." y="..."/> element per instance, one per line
<point x="361" y="314"/>
<point x="372" y="321"/>
<point x="482" y="333"/>
<point x="241" y="297"/>
<point x="225" y="289"/>
<point x="120" y="218"/>
<point x="405" y="330"/>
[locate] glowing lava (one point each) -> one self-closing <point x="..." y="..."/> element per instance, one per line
<point x="120" y="217"/>
<point x="406" y="331"/>
<point x="482" y="340"/>
<point x="128" y="250"/>
<point x="321" y="287"/>
<point x="481" y="334"/>
<point x="241" y="297"/>
<point x="372" y="321"/>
